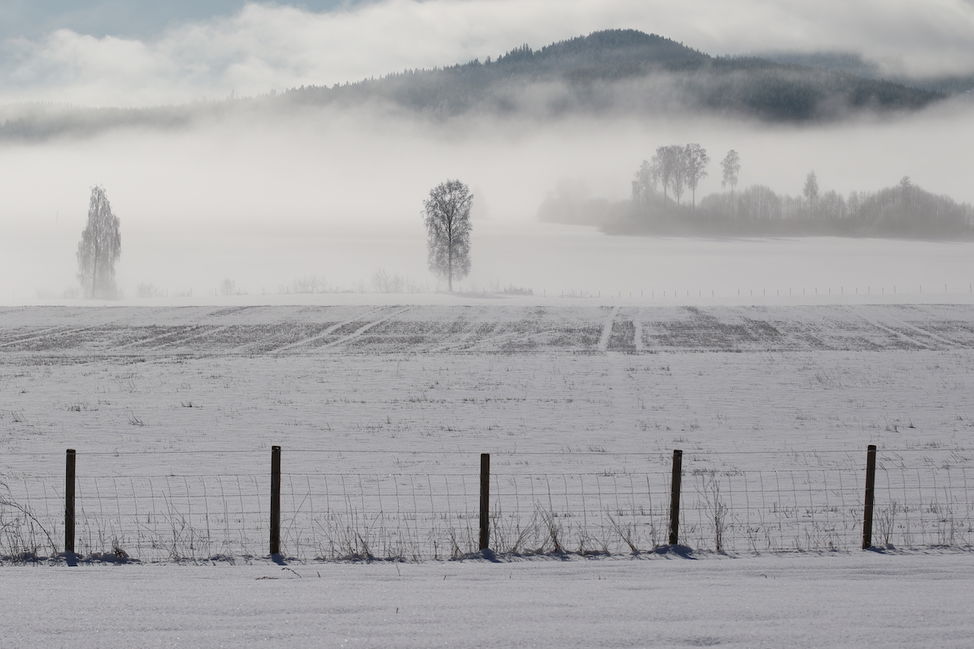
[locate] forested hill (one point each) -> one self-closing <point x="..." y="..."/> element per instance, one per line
<point x="858" y="65"/>
<point x="629" y="72"/>
<point x="616" y="72"/>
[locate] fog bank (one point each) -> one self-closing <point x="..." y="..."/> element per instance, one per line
<point x="201" y="204"/>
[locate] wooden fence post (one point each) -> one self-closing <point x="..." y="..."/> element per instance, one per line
<point x="867" y="512"/>
<point x="275" y="500"/>
<point x="675" y="497"/>
<point x="484" y="501"/>
<point x="69" y="481"/>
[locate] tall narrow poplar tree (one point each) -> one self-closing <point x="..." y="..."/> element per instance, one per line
<point x="100" y="248"/>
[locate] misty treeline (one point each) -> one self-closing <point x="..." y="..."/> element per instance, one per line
<point x="856" y="64"/>
<point x="663" y="201"/>
<point x="625" y="71"/>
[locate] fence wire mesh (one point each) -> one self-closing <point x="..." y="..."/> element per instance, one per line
<point x="342" y="505"/>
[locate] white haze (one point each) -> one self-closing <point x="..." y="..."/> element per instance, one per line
<point x="270" y="46"/>
<point x="268" y="198"/>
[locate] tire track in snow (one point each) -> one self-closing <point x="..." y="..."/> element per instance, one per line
<point x="147" y="341"/>
<point x="462" y="342"/>
<point x="202" y="334"/>
<point x="361" y="330"/>
<point x="32" y="335"/>
<point x="53" y="334"/>
<point x="951" y="344"/>
<point x="304" y="342"/>
<point x="338" y="325"/>
<point x="607" y="329"/>
<point x="893" y="332"/>
<point x="497" y="341"/>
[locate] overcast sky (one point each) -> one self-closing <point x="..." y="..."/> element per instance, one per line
<point x="127" y="18"/>
<point x="137" y="52"/>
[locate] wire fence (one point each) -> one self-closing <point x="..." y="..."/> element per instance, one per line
<point x="341" y="505"/>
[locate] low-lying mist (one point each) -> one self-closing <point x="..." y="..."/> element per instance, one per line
<point x="269" y="199"/>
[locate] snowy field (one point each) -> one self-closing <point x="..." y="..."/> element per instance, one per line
<point x="864" y="600"/>
<point x="382" y="412"/>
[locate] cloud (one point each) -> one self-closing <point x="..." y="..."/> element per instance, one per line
<point x="266" y="47"/>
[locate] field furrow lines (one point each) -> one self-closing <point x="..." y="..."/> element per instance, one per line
<point x="328" y="331"/>
<point x="363" y="329"/>
<point x="910" y="340"/>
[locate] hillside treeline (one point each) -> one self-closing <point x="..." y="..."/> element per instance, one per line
<point x="606" y="73"/>
<point x="625" y="71"/>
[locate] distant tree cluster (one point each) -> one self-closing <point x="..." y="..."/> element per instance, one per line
<point x="675" y="169"/>
<point x="904" y="210"/>
<point x="656" y="206"/>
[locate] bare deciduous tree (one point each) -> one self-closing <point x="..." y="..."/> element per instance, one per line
<point x="100" y="247"/>
<point x="448" y="229"/>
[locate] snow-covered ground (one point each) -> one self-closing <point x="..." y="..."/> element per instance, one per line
<point x="854" y="601"/>
<point x="382" y="412"/>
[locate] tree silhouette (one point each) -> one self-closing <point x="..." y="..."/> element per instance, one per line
<point x="810" y="191"/>
<point x="448" y="230"/>
<point x="100" y="247"/>
<point x="695" y="161"/>
<point x="731" y="167"/>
